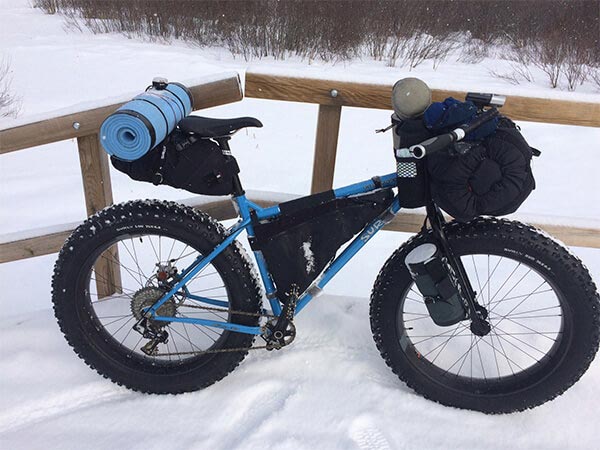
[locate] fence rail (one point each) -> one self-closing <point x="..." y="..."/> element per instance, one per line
<point x="330" y="95"/>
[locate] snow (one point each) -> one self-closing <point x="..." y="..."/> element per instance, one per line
<point x="309" y="256"/>
<point x="40" y="231"/>
<point x="330" y="388"/>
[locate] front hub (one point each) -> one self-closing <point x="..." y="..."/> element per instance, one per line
<point x="479" y="325"/>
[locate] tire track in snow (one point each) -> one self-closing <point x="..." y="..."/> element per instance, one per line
<point x="57" y="405"/>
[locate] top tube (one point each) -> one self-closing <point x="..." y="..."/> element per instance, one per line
<point x="385" y="181"/>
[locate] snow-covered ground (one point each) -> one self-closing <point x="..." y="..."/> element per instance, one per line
<point x="330" y="389"/>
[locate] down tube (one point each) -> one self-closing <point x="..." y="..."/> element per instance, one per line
<point x="357" y="244"/>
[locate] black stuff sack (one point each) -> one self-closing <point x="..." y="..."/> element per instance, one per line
<point x="186" y="162"/>
<point x="493" y="178"/>
<point x="299" y="243"/>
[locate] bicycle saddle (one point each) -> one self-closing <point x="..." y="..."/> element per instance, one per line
<point x="208" y="127"/>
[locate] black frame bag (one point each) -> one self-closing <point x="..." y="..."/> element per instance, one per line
<point x="299" y="243"/>
<point x="187" y="162"/>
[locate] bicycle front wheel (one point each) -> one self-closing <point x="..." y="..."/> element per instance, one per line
<point x="119" y="262"/>
<point x="540" y="301"/>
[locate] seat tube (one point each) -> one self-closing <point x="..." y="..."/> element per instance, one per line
<point x="244" y="211"/>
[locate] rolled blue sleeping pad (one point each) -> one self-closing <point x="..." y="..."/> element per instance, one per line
<point x="142" y="123"/>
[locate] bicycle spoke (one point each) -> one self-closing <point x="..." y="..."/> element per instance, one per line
<point x="521" y="296"/>
<point x="154" y="250"/>
<point x="138" y="264"/>
<point x="480" y="360"/>
<point x="434" y="336"/>
<point x="526" y="327"/>
<point x="135" y="260"/>
<point x="495" y="357"/>
<point x="511" y="289"/>
<point x="505" y="350"/>
<point x="445" y="344"/>
<point x="533" y="310"/>
<point x="476" y="273"/>
<point x="115" y="321"/>
<point x="171" y="251"/>
<point x="505" y="281"/>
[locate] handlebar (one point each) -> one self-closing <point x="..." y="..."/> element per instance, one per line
<point x="440" y="142"/>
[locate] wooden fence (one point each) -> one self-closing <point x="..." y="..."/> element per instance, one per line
<point x="330" y="95"/>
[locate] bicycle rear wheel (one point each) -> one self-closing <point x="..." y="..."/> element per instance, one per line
<point x="544" y="327"/>
<point x="115" y="265"/>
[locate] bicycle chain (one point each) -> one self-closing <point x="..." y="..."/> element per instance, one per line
<point x="222" y="350"/>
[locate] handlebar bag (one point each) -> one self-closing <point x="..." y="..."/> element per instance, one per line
<point x="186" y="162"/>
<point x="299" y="243"/>
<point x="493" y="178"/>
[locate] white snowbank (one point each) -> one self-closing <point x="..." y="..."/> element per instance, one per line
<point x="329" y="390"/>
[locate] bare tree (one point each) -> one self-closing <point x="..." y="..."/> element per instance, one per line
<point x="594" y="74"/>
<point x="9" y="103"/>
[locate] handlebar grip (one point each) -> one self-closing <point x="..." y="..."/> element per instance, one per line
<point x="435" y="144"/>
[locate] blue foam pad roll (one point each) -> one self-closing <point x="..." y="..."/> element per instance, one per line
<point x="142" y="123"/>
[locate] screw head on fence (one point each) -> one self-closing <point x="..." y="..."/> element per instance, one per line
<point x="76" y="125"/>
<point x="333" y="93"/>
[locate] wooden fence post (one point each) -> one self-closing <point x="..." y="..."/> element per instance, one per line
<point x="328" y="128"/>
<point x="97" y="190"/>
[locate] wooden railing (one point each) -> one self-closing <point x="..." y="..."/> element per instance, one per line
<point x="330" y="95"/>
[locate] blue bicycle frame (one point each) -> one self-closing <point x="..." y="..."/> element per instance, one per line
<point x="245" y="207"/>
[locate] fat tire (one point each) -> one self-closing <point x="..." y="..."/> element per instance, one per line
<point x="554" y="261"/>
<point x="204" y="233"/>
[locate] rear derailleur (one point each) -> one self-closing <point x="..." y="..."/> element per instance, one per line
<point x="155" y="335"/>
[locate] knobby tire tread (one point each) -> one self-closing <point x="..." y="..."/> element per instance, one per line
<point x="505" y="230"/>
<point x="209" y="229"/>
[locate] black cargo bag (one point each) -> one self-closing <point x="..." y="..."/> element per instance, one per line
<point x="493" y="177"/>
<point x="184" y="161"/>
<point x="299" y="243"/>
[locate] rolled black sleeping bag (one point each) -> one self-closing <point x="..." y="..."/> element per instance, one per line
<point x="493" y="178"/>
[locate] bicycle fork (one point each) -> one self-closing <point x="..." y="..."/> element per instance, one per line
<point x="476" y="313"/>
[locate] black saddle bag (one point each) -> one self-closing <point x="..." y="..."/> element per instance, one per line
<point x="491" y="177"/>
<point x="299" y="243"/>
<point x="184" y="161"/>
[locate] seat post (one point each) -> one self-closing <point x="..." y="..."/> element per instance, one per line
<point x="223" y="142"/>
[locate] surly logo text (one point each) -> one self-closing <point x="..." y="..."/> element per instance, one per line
<point x="368" y="234"/>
